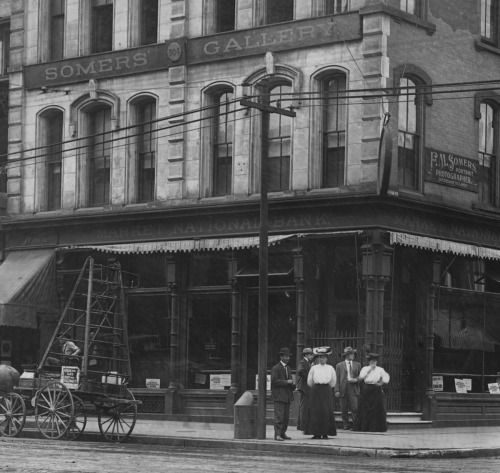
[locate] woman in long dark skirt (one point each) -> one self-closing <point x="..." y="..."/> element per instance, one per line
<point x="321" y="380"/>
<point x="372" y="416"/>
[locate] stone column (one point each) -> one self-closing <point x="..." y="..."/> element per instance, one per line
<point x="377" y="257"/>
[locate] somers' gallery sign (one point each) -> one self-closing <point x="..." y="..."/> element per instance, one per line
<point x="451" y="170"/>
<point x="111" y="64"/>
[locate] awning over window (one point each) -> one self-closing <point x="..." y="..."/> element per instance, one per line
<point x="27" y="286"/>
<point x="184" y="246"/>
<point x="201" y="244"/>
<point x="435" y="244"/>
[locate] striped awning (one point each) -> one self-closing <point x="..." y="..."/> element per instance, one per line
<point x="201" y="244"/>
<point x="185" y="246"/>
<point x="445" y="246"/>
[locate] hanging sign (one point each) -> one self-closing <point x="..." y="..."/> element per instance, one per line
<point x="70" y="376"/>
<point x="451" y="170"/>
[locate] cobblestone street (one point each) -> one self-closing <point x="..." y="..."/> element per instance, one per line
<point x="27" y="456"/>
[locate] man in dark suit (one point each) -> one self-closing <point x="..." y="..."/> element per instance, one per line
<point x="347" y="387"/>
<point x="282" y="387"/>
<point x="302" y="371"/>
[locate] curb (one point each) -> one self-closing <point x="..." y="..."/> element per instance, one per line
<point x="282" y="447"/>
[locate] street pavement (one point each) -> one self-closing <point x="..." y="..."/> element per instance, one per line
<point x="431" y="442"/>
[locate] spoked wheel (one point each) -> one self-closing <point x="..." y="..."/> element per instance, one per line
<point x="79" y="421"/>
<point x="12" y="414"/>
<point x="54" y="410"/>
<point x="117" y="418"/>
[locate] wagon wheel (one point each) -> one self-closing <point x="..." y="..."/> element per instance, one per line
<point x="79" y="421"/>
<point x="12" y="414"/>
<point x="117" y="418"/>
<point x="54" y="410"/>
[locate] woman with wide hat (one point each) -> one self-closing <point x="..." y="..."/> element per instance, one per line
<point x="372" y="416"/>
<point x="321" y="380"/>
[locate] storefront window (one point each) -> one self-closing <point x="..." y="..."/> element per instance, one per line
<point x="466" y="327"/>
<point x="209" y="351"/>
<point x="149" y="339"/>
<point x="207" y="270"/>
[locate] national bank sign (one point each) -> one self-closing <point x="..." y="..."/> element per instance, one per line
<point x="111" y="64"/>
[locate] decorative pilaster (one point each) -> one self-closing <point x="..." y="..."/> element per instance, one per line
<point x="235" y="336"/>
<point x="298" y="272"/>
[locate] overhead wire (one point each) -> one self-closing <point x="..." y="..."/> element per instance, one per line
<point x="313" y="96"/>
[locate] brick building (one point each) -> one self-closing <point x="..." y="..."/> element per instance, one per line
<point x="127" y="141"/>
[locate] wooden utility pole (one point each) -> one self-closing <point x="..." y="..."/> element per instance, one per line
<point x="266" y="110"/>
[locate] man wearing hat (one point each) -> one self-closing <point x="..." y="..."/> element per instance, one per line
<point x="347" y="387"/>
<point x="282" y="387"/>
<point x="302" y="371"/>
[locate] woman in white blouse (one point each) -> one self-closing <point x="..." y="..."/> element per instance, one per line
<point x="372" y="416"/>
<point x="321" y="380"/>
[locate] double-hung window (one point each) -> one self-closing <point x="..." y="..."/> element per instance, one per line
<point x="488" y="137"/>
<point x="334" y="130"/>
<point x="279" y="141"/>
<point x="489" y="22"/>
<point x="56" y="30"/>
<point x="4" y="48"/>
<point x="279" y="11"/>
<point x="102" y="26"/>
<point x="409" y="129"/>
<point x="99" y="157"/>
<point x="148" y="21"/>
<point x="146" y="162"/>
<point x="53" y="150"/>
<point x="414" y="7"/>
<point x="222" y="136"/>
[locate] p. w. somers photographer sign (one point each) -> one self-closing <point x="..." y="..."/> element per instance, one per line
<point x="451" y="170"/>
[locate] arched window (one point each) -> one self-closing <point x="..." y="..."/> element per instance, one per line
<point x="279" y="140"/>
<point x="146" y="146"/>
<point x="333" y="133"/>
<point x="488" y="138"/>
<point x="99" y="156"/>
<point x="222" y="135"/>
<point x="51" y="128"/>
<point x="409" y="134"/>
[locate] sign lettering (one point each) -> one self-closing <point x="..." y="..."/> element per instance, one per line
<point x="111" y="64"/>
<point x="451" y="170"/>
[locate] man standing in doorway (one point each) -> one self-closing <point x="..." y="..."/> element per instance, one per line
<point x="347" y="387"/>
<point x="302" y="371"/>
<point x="282" y="387"/>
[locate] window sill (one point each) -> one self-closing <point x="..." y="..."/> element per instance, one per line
<point x="408" y="193"/>
<point x="481" y="46"/>
<point x="487" y="208"/>
<point x="399" y="16"/>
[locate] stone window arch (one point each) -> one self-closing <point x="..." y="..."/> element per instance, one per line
<point x="283" y="84"/>
<point x="142" y="148"/>
<point x="217" y="140"/>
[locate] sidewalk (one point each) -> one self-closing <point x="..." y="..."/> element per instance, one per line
<point x="456" y="442"/>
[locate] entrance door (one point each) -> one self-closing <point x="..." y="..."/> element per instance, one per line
<point x="209" y="341"/>
<point x="282" y="330"/>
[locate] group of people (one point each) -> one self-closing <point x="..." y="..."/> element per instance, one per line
<point x="359" y="390"/>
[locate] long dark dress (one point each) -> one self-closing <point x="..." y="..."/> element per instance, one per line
<point x="371" y="416"/>
<point x="321" y="416"/>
